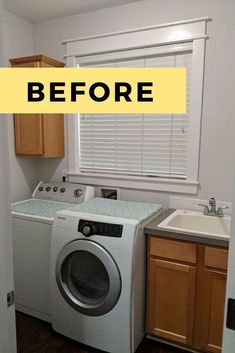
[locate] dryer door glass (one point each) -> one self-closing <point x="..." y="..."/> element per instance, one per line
<point x="88" y="277"/>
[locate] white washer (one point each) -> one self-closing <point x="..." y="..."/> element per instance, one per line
<point x="98" y="269"/>
<point x="32" y="221"/>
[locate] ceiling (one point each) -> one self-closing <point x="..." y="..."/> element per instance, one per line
<point x="34" y="11"/>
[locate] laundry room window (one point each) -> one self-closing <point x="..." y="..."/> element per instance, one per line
<point x="153" y="145"/>
<point x="140" y="151"/>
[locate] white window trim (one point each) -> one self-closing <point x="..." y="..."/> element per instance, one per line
<point x="190" y="31"/>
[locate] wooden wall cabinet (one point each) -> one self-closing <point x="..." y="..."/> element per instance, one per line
<point x="38" y="134"/>
<point x="186" y="293"/>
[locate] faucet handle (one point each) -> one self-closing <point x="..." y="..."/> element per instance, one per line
<point x="220" y="212"/>
<point x="224" y="207"/>
<point x="206" y="208"/>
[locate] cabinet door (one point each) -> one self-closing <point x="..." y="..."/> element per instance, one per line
<point x="53" y="135"/>
<point x="171" y="291"/>
<point x="28" y="134"/>
<point x="214" y="299"/>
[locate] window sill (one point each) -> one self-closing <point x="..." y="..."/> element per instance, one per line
<point x="135" y="182"/>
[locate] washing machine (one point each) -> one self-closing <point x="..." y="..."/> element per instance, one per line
<point x="32" y="222"/>
<point x="98" y="266"/>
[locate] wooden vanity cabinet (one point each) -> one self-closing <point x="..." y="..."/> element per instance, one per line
<point x="38" y="134"/>
<point x="186" y="293"/>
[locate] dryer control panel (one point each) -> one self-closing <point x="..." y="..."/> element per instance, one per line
<point x="89" y="228"/>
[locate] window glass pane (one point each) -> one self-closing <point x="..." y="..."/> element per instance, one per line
<point x="144" y="144"/>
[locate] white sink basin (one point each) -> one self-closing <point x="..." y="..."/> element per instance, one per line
<point x="197" y="224"/>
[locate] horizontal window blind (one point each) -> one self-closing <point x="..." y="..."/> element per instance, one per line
<point x="141" y="144"/>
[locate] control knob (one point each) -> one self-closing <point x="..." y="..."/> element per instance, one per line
<point x="48" y="188"/>
<point x="40" y="188"/>
<point x="62" y="190"/>
<point x="77" y="193"/>
<point x="55" y="189"/>
<point x="88" y="230"/>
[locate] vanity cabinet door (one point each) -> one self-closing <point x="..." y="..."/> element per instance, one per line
<point x="171" y="293"/>
<point x="211" y="299"/>
<point x="214" y="299"/>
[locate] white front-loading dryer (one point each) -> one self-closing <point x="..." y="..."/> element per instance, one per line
<point x="98" y="275"/>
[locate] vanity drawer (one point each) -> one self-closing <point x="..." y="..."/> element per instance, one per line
<point x="216" y="258"/>
<point x="173" y="250"/>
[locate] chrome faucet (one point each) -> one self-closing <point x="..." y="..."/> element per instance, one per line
<point x="213" y="211"/>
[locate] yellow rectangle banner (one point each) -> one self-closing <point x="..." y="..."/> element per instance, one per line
<point x="93" y="90"/>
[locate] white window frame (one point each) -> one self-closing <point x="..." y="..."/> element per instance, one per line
<point x="161" y="39"/>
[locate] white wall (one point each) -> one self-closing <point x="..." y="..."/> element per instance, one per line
<point x="7" y="327"/>
<point x="19" y="36"/>
<point x="19" y="41"/>
<point x="217" y="143"/>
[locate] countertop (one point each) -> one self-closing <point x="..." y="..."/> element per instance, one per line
<point x="152" y="229"/>
<point x="138" y="211"/>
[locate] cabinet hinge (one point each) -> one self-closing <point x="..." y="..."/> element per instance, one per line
<point x="10" y="298"/>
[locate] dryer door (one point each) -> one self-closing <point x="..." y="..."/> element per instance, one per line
<point x="88" y="277"/>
